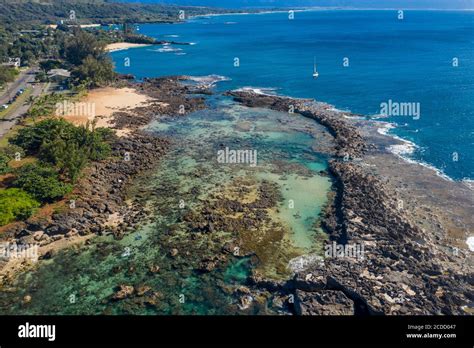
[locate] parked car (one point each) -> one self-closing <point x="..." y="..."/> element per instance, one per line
<point x="5" y="106"/>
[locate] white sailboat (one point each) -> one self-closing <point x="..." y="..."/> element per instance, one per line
<point x="315" y="71"/>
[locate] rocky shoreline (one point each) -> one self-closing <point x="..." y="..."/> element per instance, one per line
<point x="102" y="205"/>
<point x="403" y="269"/>
<point x="402" y="272"/>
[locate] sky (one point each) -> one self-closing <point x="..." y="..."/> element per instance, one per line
<point x="406" y="4"/>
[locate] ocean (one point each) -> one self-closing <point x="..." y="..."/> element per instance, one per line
<point x="422" y="63"/>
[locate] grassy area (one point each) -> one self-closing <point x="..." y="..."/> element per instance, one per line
<point x="57" y="152"/>
<point x="28" y="121"/>
<point x="17" y="103"/>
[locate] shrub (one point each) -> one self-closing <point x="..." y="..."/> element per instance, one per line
<point x="42" y="182"/>
<point x="7" y="154"/>
<point x="63" y="145"/>
<point x="67" y="156"/>
<point x="31" y="138"/>
<point x="4" y="159"/>
<point x="12" y="151"/>
<point x="7" y="74"/>
<point x="15" y="204"/>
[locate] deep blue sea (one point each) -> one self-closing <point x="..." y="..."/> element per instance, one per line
<point x="407" y="60"/>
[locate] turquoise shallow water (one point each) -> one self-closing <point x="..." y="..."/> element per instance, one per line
<point x="407" y="60"/>
<point x="83" y="280"/>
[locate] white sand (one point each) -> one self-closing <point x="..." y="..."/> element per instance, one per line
<point x="103" y="102"/>
<point x="118" y="46"/>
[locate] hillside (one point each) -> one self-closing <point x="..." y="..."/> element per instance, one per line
<point x="93" y="11"/>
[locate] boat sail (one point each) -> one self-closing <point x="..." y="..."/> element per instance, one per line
<point x="315" y="71"/>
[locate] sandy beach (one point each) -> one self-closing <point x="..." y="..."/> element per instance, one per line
<point x="118" y="46"/>
<point x="103" y="102"/>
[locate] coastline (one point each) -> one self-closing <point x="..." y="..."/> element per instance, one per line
<point x="410" y="265"/>
<point x="120" y="46"/>
<point x="403" y="147"/>
<point x="406" y="268"/>
<point x="102" y="205"/>
<point x="399" y="146"/>
<point x="375" y="206"/>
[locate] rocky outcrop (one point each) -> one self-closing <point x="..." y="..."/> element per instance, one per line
<point x="350" y="143"/>
<point x="399" y="271"/>
<point x="323" y="303"/>
<point x="101" y="194"/>
<point x="100" y="206"/>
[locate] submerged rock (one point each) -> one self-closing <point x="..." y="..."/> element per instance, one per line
<point x="325" y="302"/>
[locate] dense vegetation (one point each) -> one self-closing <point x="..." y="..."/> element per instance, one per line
<point x="23" y="33"/>
<point x="15" y="204"/>
<point x="42" y="182"/>
<point x="93" y="11"/>
<point x="29" y="45"/>
<point x="62" y="150"/>
<point x="80" y="51"/>
<point x="44" y="105"/>
<point x="90" y="63"/>
<point x="64" y="146"/>
<point x="4" y="159"/>
<point x="7" y="74"/>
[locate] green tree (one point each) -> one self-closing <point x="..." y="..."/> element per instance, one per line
<point x="16" y="204"/>
<point x="81" y="46"/>
<point x="31" y="138"/>
<point x="61" y="144"/>
<point x="49" y="64"/>
<point x="95" y="72"/>
<point x="68" y="156"/>
<point x="4" y="159"/>
<point x="7" y="74"/>
<point x="41" y="182"/>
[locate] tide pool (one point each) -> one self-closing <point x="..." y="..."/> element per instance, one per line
<point x="190" y="180"/>
<point x="409" y="60"/>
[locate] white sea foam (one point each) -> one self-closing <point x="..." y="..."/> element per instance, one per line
<point x="385" y="128"/>
<point x="470" y="243"/>
<point x="354" y="117"/>
<point x="468" y="182"/>
<point x="407" y="148"/>
<point x="208" y="16"/>
<point x="167" y="48"/>
<point x="334" y="109"/>
<point x="172" y="35"/>
<point x="209" y="80"/>
<point x="258" y="90"/>
<point x="402" y="149"/>
<point x="377" y="116"/>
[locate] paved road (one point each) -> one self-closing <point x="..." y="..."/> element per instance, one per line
<point x="23" y="79"/>
<point x="12" y="118"/>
